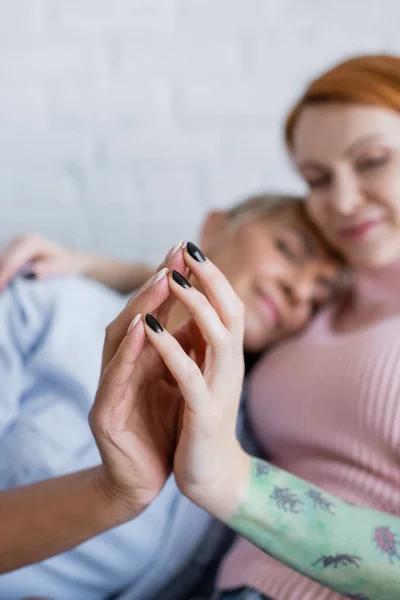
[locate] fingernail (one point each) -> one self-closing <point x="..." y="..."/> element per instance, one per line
<point x="154" y="324"/>
<point x="181" y="280"/>
<point x="155" y="279"/>
<point x="173" y="251"/>
<point x="134" y="323"/>
<point x="195" y="252"/>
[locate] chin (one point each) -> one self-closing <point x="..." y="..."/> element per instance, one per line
<point x="255" y="343"/>
<point x="376" y="258"/>
<point x="258" y="335"/>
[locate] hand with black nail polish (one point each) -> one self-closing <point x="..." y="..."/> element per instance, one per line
<point x="195" y="252"/>
<point x="137" y="409"/>
<point x="165" y="391"/>
<point x="208" y="458"/>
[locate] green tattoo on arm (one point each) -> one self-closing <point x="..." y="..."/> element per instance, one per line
<point x="351" y="549"/>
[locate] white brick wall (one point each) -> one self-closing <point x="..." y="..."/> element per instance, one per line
<point x="123" y="121"/>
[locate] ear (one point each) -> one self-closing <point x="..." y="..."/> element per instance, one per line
<point x="214" y="224"/>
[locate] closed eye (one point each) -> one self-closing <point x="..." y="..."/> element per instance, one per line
<point x="286" y="250"/>
<point x="372" y="163"/>
<point x="318" y="182"/>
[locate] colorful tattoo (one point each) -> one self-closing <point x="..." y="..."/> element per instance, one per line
<point x="291" y="520"/>
<point x="286" y="500"/>
<point x="263" y="468"/>
<point x="320" y="501"/>
<point x="386" y="542"/>
<point x="341" y="560"/>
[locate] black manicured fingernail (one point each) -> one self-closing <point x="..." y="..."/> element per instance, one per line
<point x="195" y="252"/>
<point x="29" y="276"/>
<point x="154" y="324"/>
<point x="181" y="280"/>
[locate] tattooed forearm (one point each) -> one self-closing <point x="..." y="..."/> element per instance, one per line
<point x="387" y="543"/>
<point x="263" y="468"/>
<point x="340" y="545"/>
<point x="287" y="500"/>
<point x="321" y="501"/>
<point x="337" y="560"/>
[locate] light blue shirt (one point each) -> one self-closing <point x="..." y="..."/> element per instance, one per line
<point x="51" y="339"/>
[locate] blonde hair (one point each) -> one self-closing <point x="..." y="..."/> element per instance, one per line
<point x="261" y="204"/>
<point x="268" y="204"/>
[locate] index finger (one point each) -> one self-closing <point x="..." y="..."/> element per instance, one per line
<point x="217" y="289"/>
<point x="149" y="298"/>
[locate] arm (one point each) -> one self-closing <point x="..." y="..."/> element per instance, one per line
<point x="64" y="511"/>
<point x="350" y="549"/>
<point x="44" y="258"/>
<point x="46" y="518"/>
<point x="121" y="276"/>
<point x="43" y="519"/>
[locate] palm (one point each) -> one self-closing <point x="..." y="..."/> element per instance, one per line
<point x="146" y="422"/>
<point x="152" y="428"/>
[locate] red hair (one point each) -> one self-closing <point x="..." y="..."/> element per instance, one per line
<point x="371" y="79"/>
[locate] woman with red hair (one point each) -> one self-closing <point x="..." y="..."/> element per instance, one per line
<point x="322" y="515"/>
<point x="325" y="406"/>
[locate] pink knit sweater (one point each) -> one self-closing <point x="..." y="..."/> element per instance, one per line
<point x="326" y="407"/>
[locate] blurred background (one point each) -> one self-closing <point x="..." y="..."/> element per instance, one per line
<point x="123" y="121"/>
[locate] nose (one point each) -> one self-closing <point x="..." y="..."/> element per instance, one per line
<point x="345" y="197"/>
<point x="299" y="288"/>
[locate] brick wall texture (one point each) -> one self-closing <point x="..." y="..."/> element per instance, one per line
<point x="122" y="122"/>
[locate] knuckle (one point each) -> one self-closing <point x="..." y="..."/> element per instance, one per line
<point x="109" y="332"/>
<point x="103" y="415"/>
<point x="20" y="240"/>
<point x="225" y="340"/>
<point x="94" y="420"/>
<point x="216" y="276"/>
<point x="22" y="237"/>
<point x="190" y="372"/>
<point x="27" y="238"/>
<point x="237" y="314"/>
<point x="99" y="424"/>
<point x="91" y="418"/>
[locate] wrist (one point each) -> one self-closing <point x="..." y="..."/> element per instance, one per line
<point x="230" y="490"/>
<point x="85" y="264"/>
<point x="114" y="503"/>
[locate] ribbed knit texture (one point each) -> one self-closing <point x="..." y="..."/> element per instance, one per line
<point x="326" y="407"/>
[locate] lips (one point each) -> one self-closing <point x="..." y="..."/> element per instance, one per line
<point x="271" y="306"/>
<point x="360" y="230"/>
